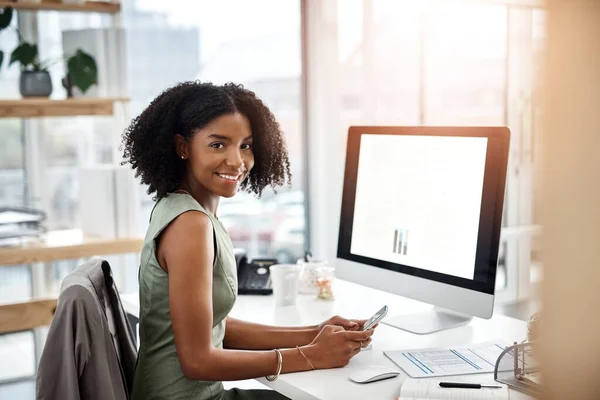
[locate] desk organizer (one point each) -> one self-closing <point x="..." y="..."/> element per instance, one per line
<point x="518" y="367"/>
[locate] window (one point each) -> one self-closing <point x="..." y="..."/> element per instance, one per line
<point x="465" y="64"/>
<point x="15" y="280"/>
<point x="12" y="157"/>
<point x="247" y="46"/>
<point x="379" y="62"/>
<point x="152" y="45"/>
<point x="209" y="44"/>
<point x="409" y="62"/>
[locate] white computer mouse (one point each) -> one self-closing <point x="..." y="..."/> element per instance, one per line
<point x="372" y="374"/>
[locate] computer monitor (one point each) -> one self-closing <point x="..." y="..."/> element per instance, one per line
<point x="421" y="215"/>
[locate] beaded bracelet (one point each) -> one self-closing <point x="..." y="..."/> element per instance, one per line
<point x="271" y="378"/>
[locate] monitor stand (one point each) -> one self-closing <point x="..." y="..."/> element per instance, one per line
<point x="435" y="320"/>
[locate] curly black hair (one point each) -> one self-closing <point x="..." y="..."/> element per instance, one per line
<point x="149" y="146"/>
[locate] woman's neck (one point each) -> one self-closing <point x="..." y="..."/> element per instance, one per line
<point x="209" y="201"/>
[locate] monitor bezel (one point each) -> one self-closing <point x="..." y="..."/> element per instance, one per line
<point x="492" y="202"/>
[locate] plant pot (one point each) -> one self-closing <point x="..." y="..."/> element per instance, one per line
<point x="35" y="84"/>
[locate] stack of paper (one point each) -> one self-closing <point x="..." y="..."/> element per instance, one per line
<point x="427" y="363"/>
<point x="421" y="389"/>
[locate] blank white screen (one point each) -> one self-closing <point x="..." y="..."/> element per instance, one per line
<point x="418" y="201"/>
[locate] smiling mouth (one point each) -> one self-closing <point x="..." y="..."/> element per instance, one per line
<point x="230" y="178"/>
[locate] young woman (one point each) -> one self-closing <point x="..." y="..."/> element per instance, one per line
<point x="195" y="143"/>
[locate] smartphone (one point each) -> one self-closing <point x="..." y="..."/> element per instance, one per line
<point x="375" y="318"/>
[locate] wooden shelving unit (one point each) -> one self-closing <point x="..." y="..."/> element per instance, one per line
<point x="65" y="244"/>
<point x="57" y="5"/>
<point x="44" y="107"/>
<point x="25" y="316"/>
<point x="53" y="246"/>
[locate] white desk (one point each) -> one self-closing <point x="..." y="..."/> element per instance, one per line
<point x="356" y="301"/>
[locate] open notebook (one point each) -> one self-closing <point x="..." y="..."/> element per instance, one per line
<point x="426" y="389"/>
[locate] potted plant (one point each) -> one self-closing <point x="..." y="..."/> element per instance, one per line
<point x="35" y="79"/>
<point x="5" y="18"/>
<point x="82" y="72"/>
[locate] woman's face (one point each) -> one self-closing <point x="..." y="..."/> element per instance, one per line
<point x="220" y="155"/>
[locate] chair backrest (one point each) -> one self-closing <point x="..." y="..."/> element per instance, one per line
<point x="121" y="331"/>
<point x="89" y="320"/>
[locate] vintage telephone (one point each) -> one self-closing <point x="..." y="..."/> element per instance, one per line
<point x="254" y="276"/>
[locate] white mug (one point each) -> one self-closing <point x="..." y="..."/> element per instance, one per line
<point x="284" y="278"/>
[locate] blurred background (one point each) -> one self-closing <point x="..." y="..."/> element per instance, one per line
<point x="330" y="64"/>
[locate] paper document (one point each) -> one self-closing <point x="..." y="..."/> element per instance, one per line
<point x="422" y="363"/>
<point x="421" y="389"/>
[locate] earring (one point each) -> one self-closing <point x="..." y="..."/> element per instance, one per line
<point x="183" y="157"/>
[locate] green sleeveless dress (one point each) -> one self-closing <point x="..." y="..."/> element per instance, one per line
<point x="158" y="373"/>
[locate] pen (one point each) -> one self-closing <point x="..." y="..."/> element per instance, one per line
<point x="464" y="385"/>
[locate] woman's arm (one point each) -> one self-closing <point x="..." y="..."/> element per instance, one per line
<point x="250" y="336"/>
<point x="185" y="250"/>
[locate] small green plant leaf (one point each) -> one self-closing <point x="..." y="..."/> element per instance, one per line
<point x="25" y="54"/>
<point x="82" y="70"/>
<point x="6" y="14"/>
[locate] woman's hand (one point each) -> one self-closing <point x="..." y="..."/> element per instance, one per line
<point x="334" y="346"/>
<point x="347" y="324"/>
